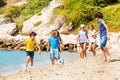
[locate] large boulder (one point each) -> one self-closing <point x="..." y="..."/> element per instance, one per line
<point x="7" y="29"/>
<point x="68" y="39"/>
<point x="44" y="27"/>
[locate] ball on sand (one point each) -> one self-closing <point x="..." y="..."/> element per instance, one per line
<point x="61" y="61"/>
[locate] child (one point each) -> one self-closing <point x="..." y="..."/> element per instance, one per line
<point x="54" y="46"/>
<point x="83" y="39"/>
<point x="92" y="39"/>
<point x="60" y="39"/>
<point x="103" y="35"/>
<point x="30" y="47"/>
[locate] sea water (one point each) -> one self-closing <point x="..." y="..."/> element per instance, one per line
<point x="14" y="61"/>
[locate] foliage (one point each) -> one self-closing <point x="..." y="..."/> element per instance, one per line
<point x="112" y="17"/>
<point x="20" y="22"/>
<point x="12" y="11"/>
<point x="37" y="24"/>
<point x="76" y="12"/>
<point x="34" y="6"/>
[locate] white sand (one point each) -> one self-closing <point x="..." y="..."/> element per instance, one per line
<point x="91" y="68"/>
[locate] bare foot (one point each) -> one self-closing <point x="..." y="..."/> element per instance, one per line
<point x="109" y="59"/>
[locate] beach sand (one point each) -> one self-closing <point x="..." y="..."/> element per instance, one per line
<point x="91" y="68"/>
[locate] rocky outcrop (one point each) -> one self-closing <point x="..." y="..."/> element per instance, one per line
<point x="20" y="3"/>
<point x="7" y="29"/>
<point x="45" y="17"/>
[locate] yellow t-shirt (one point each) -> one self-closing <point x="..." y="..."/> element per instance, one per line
<point x="30" y="44"/>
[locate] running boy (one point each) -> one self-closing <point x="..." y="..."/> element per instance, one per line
<point x="30" y="47"/>
<point x="54" y="46"/>
<point x="82" y="39"/>
<point x="103" y="35"/>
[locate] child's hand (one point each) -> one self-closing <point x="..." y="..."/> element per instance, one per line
<point x="47" y="51"/>
<point x="108" y="37"/>
<point x="39" y="51"/>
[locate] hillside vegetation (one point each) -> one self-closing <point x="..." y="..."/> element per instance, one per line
<point x="82" y="11"/>
<point x="26" y="11"/>
<point x="75" y="11"/>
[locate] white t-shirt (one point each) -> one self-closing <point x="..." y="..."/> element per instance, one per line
<point x="90" y="36"/>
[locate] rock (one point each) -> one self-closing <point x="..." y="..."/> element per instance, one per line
<point x="68" y="39"/>
<point x="7" y="29"/>
<point x="20" y="3"/>
<point x="45" y="27"/>
<point x="1" y="41"/>
<point x="114" y="38"/>
<point x="58" y="23"/>
<point x="70" y="27"/>
<point x="1" y="19"/>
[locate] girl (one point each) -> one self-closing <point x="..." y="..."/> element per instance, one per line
<point x="92" y="39"/>
<point x="83" y="39"/>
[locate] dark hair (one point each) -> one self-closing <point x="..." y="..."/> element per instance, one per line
<point x="58" y="34"/>
<point x="91" y="26"/>
<point x="33" y="34"/>
<point x="98" y="15"/>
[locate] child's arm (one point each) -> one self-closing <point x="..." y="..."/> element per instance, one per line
<point x="18" y="46"/>
<point x="60" y="45"/>
<point x="39" y="49"/>
<point x="97" y="33"/>
<point x="48" y="47"/>
<point x="106" y="28"/>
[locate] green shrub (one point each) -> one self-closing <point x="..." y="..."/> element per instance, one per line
<point x="34" y="6"/>
<point x="20" y="23"/>
<point x="76" y="12"/>
<point x="37" y="24"/>
<point x="12" y="11"/>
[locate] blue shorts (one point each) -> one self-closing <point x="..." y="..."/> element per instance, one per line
<point x="30" y="53"/>
<point x="103" y="41"/>
<point x="54" y="52"/>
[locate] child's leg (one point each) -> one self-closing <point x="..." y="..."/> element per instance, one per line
<point x="31" y="58"/>
<point x="57" y="54"/>
<point x="52" y="56"/>
<point x="106" y="52"/>
<point x="84" y="50"/>
<point x="89" y="46"/>
<point x="93" y="49"/>
<point x="31" y="61"/>
<point x="104" y="49"/>
<point x="52" y="61"/>
<point x="27" y="61"/>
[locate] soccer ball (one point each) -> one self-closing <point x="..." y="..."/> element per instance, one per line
<point x="61" y="61"/>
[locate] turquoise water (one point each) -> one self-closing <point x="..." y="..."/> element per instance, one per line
<point x="13" y="61"/>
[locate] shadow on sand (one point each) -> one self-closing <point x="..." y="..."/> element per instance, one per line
<point x="115" y="60"/>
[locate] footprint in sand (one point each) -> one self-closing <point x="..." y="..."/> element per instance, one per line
<point x="25" y="75"/>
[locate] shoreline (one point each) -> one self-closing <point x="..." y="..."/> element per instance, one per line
<point x="91" y="68"/>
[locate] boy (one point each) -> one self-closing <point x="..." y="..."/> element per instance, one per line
<point x="54" y="46"/>
<point x="30" y="47"/>
<point x="103" y="35"/>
